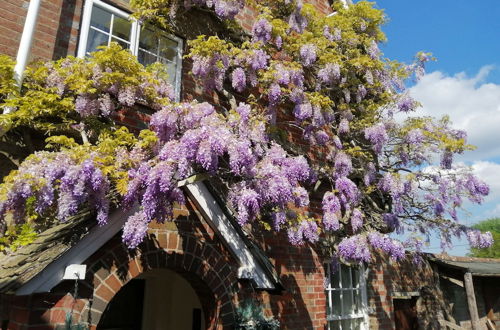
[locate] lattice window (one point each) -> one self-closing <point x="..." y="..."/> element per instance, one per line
<point x="346" y="297"/>
<point x="103" y="24"/>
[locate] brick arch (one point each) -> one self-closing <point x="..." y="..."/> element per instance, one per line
<point x="202" y="263"/>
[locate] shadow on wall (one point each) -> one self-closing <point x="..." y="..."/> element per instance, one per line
<point x="63" y="36"/>
<point x="291" y="305"/>
<point x="405" y="279"/>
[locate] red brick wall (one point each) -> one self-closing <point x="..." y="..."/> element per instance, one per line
<point x="56" y="32"/>
<point x="302" y="305"/>
<point x="388" y="278"/>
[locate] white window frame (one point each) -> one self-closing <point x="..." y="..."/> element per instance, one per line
<point x="329" y="289"/>
<point x="134" y="37"/>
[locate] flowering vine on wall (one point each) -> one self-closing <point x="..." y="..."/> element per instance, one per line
<point x="297" y="71"/>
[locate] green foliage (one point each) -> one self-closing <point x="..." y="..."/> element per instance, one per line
<point x="68" y="323"/>
<point x="17" y="236"/>
<point x="7" y="82"/>
<point x="47" y="99"/>
<point x="493" y="226"/>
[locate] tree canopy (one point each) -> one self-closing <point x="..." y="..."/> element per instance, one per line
<point x="306" y="137"/>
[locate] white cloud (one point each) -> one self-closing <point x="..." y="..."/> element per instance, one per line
<point x="472" y="104"/>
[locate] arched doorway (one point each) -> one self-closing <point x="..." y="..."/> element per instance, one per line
<point x="157" y="299"/>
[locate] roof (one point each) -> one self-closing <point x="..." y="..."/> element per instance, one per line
<point x="476" y="266"/>
<point x="20" y="266"/>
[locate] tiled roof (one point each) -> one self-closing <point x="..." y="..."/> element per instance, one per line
<point x="17" y="268"/>
<point x="477" y="266"/>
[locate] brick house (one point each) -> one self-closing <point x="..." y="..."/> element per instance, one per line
<point x="196" y="271"/>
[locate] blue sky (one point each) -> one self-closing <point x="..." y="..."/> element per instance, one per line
<point x="463" y="35"/>
<point x="464" y="82"/>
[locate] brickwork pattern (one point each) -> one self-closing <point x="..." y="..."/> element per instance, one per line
<point x="56" y="32"/>
<point x="387" y="277"/>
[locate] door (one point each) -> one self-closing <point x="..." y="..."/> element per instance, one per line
<point x="405" y="314"/>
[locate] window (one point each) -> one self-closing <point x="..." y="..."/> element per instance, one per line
<point x="346" y="298"/>
<point x="103" y="24"/>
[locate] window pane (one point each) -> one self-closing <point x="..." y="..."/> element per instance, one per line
<point x="346" y="276"/>
<point x="336" y="302"/>
<point x="347" y="303"/>
<point x="171" y="70"/>
<point x="352" y="324"/>
<point x="336" y="279"/>
<point x="334" y="325"/>
<point x="100" y="19"/>
<point x="146" y="58"/>
<point x="358" y="302"/>
<point x="148" y="40"/>
<point x="125" y="45"/>
<point x="96" y="39"/>
<point x="121" y="28"/>
<point x="168" y="49"/>
<point x="355" y="277"/>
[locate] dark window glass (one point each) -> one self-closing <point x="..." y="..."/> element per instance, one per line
<point x="100" y="19"/>
<point x="96" y="39"/>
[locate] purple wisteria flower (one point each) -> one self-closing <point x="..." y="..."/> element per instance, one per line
<point x="348" y="192"/>
<point x="248" y="205"/>
<point x="297" y="21"/>
<point x="238" y="79"/>
<point x="335" y="36"/>
<point x="126" y="96"/>
<point x="373" y="50"/>
<point x="308" y="54"/>
<point x="106" y="105"/>
<point x="261" y="30"/>
<point x="303" y="111"/>
<point x="377" y="135"/>
<point x="135" y="230"/>
<point x="406" y="103"/>
<point x="274" y="94"/>
<point x="86" y="106"/>
<point x="278" y="41"/>
<point x="370" y="174"/>
<point x="476" y="188"/>
<point x="344" y="126"/>
<point x="279" y="219"/>
<point x="479" y="240"/>
<point x="356" y="219"/>
<point x="369" y="77"/>
<point x="307" y="230"/>
<point x="329" y="74"/>
<point x="381" y="241"/>
<point x="343" y="164"/>
<point x="354" y="248"/>
<point x="244" y="111"/>
<point x="447" y="159"/>
<point x="258" y="59"/>
<point x="415" y="136"/>
<point x="321" y="137"/>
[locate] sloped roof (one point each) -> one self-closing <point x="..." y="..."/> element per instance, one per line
<point x="17" y="268"/>
<point x="476" y="266"/>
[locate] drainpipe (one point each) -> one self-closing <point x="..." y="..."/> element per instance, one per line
<point x="25" y="44"/>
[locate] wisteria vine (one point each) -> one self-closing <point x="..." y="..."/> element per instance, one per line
<point x="300" y="71"/>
